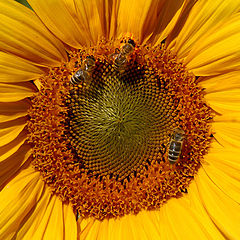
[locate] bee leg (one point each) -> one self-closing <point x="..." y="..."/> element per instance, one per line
<point x="77" y="216"/>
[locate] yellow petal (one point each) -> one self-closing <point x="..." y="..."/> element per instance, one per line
<point x="31" y="225"/>
<point x="90" y="17"/>
<point x="37" y="83"/>
<point x="48" y="220"/>
<point x="10" y="148"/>
<point x="228" y="117"/>
<point x="200" y="212"/>
<point x="84" y="225"/>
<point x="183" y="222"/>
<point x="224" y="159"/>
<point x="51" y="225"/>
<point x="10" y="130"/>
<point x="226" y="183"/>
<point x="139" y="17"/>
<point x="70" y="225"/>
<point x="16" y="92"/>
<point x="15" y="69"/>
<point x="76" y="23"/>
<point x="179" y="20"/>
<point x="12" y="110"/>
<point x="222" y="82"/>
<point x="29" y="211"/>
<point x="203" y="16"/>
<point x="170" y="20"/>
<point x="140" y="226"/>
<point x="108" y="11"/>
<point x="13" y="164"/>
<point x="91" y="229"/>
<point x="222" y="210"/>
<point x="225" y="101"/>
<point x="217" y="51"/>
<point x="17" y="200"/>
<point x="227" y="133"/>
<point x="177" y="219"/>
<point x="24" y="35"/>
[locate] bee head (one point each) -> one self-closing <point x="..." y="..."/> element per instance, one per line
<point x="130" y="41"/>
<point x="178" y="134"/>
<point x="91" y="57"/>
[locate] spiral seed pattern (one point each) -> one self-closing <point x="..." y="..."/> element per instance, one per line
<point x="120" y="121"/>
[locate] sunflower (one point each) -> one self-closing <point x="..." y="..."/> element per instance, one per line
<point x="120" y="120"/>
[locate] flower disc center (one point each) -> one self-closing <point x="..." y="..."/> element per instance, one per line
<point x="118" y="122"/>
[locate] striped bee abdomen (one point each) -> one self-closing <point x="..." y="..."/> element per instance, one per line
<point x="174" y="151"/>
<point x="175" y="146"/>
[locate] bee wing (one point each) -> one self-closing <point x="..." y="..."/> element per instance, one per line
<point x="115" y="54"/>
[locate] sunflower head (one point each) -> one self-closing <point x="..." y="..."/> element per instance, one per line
<point x="118" y="117"/>
<point x="118" y="125"/>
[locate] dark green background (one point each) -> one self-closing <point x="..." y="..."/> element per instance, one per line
<point x="24" y="2"/>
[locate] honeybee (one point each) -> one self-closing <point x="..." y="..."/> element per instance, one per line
<point x="85" y="72"/>
<point x="175" y="145"/>
<point x="120" y="57"/>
